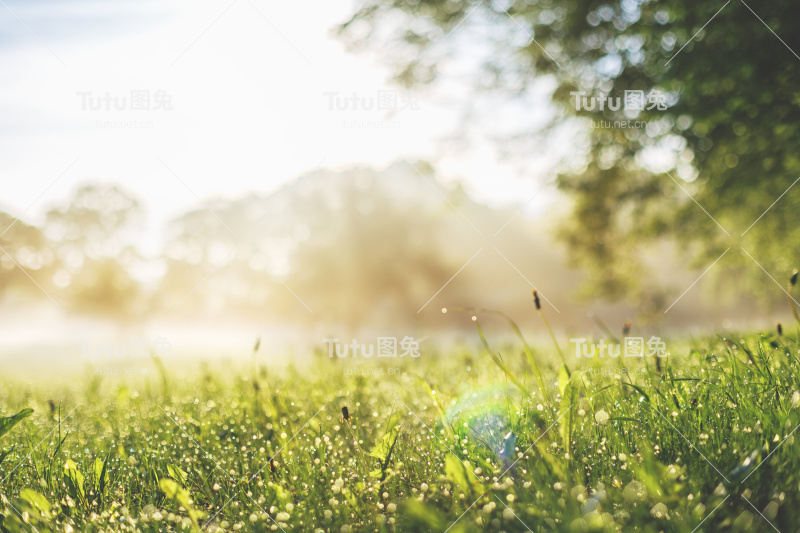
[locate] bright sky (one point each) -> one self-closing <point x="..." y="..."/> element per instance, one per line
<point x="246" y="82"/>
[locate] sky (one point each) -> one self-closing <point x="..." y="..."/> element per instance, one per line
<point x="181" y="101"/>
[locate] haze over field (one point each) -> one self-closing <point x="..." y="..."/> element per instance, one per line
<point x="342" y="253"/>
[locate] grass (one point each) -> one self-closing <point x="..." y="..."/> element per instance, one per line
<point x="462" y="441"/>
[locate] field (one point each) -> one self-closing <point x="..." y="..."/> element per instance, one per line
<point x="468" y="440"/>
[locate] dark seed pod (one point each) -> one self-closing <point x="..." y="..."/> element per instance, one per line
<point x="272" y="465"/>
<point x="536" y="300"/>
<point x="793" y="279"/>
<point x="345" y="413"/>
<point x="780" y="329"/>
<point x="626" y="328"/>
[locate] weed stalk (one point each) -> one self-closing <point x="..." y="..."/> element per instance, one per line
<point x="538" y="305"/>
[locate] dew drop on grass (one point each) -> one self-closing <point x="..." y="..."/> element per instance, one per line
<point x="743" y="521"/>
<point x="699" y="509"/>
<point x="601" y="417"/>
<point x="672" y="472"/>
<point x="659" y="511"/>
<point x="579" y="525"/>
<point x="634" y="492"/>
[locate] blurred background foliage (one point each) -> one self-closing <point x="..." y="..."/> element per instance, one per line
<point x="350" y="249"/>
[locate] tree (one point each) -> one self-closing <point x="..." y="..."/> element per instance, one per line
<point x="377" y="246"/>
<point x="24" y="246"/>
<point x="727" y="133"/>
<point x="357" y="246"/>
<point x="222" y="254"/>
<point x="91" y="237"/>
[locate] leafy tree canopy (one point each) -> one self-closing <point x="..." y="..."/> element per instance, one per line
<point x="728" y="136"/>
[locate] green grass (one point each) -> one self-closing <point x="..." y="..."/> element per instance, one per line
<point x="465" y="437"/>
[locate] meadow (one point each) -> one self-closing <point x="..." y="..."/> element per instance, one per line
<point x="501" y="438"/>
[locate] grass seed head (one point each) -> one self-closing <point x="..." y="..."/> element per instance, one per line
<point x="780" y="329"/>
<point x="626" y="327"/>
<point x="536" y="300"/>
<point x="345" y="413"/>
